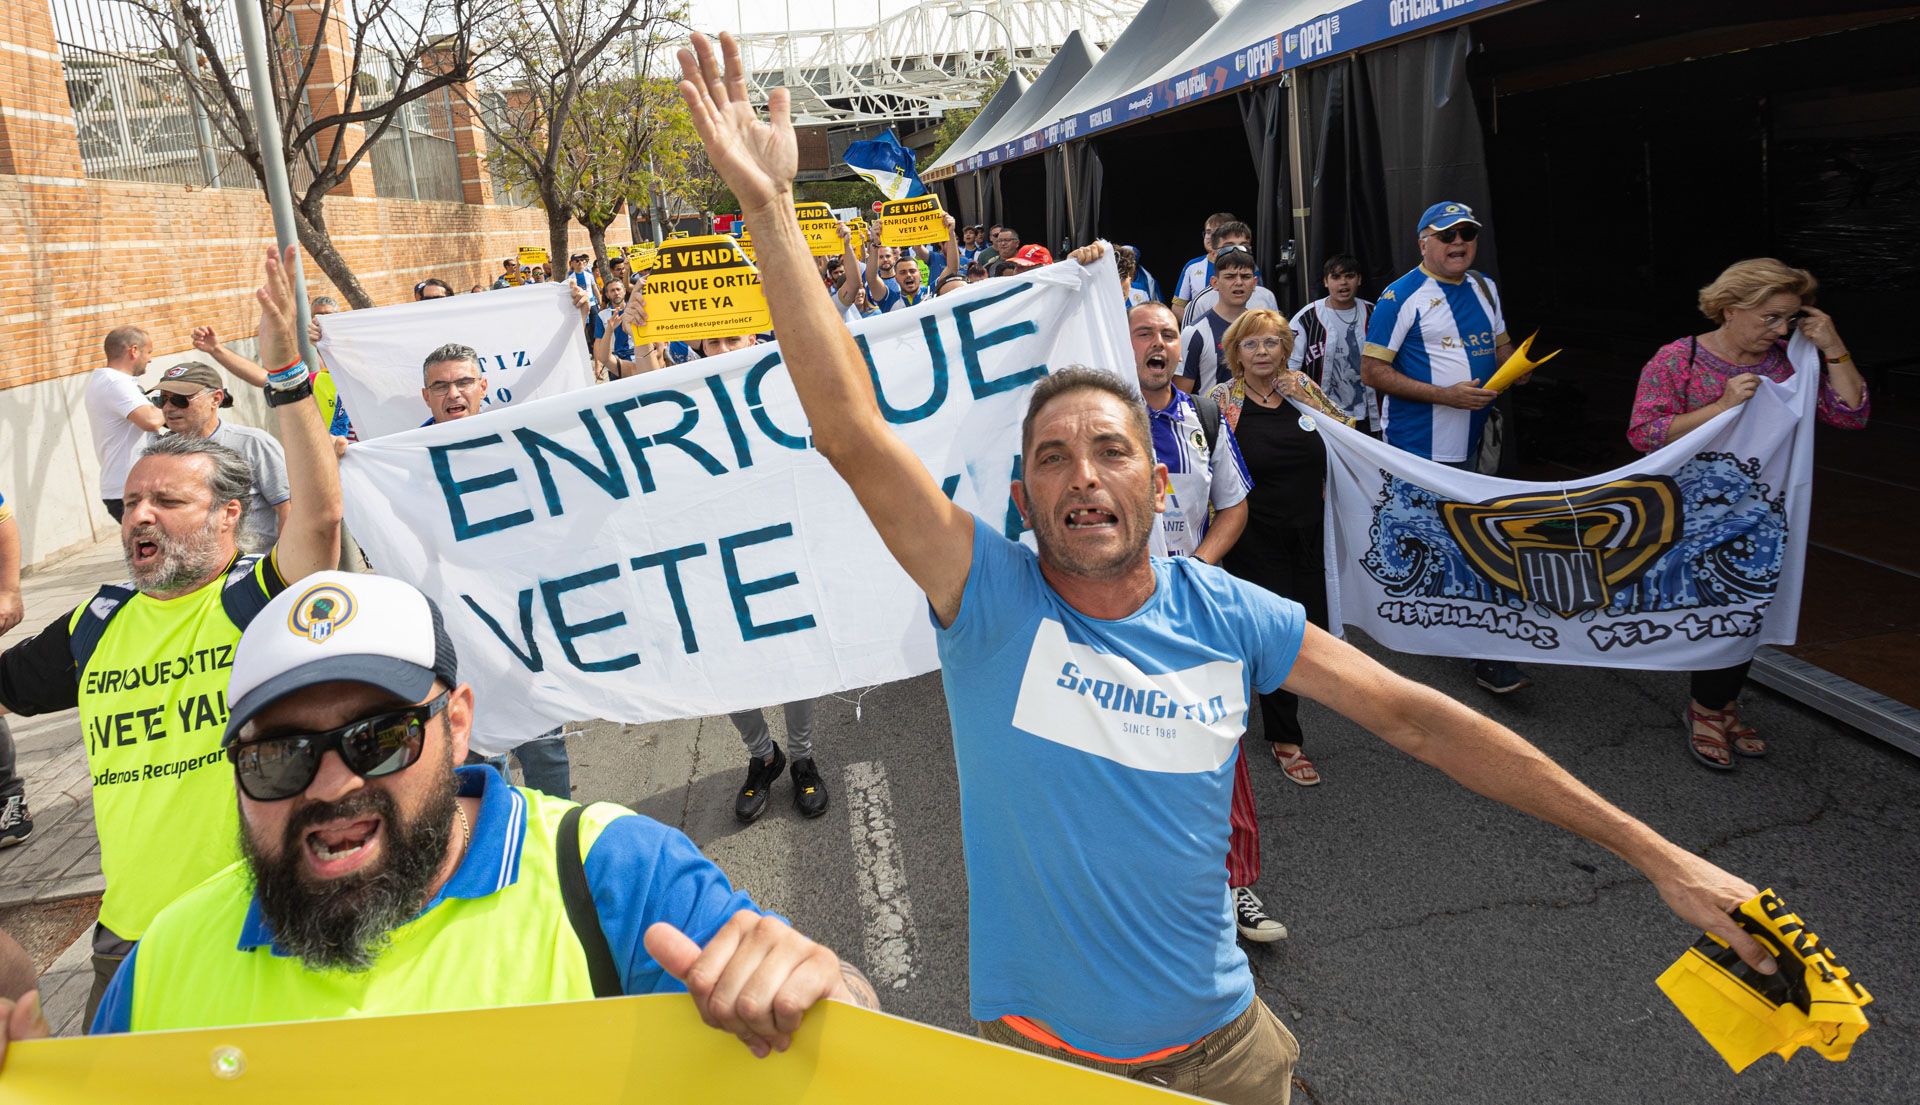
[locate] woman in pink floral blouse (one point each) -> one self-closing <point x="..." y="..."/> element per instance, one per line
<point x="1756" y="304"/>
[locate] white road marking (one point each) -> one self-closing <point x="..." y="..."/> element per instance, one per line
<point x="879" y="878"/>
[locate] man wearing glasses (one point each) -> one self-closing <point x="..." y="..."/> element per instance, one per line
<point x="148" y="664"/>
<point x="190" y="396"/>
<point x="1436" y="335"/>
<point x="379" y="878"/>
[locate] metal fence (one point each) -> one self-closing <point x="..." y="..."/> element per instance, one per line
<point x="493" y="108"/>
<point x="415" y="159"/>
<point x="138" y="119"/>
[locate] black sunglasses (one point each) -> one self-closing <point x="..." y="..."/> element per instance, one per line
<point x="1465" y="232"/>
<point x="274" y="768"/>
<point x="169" y="399"/>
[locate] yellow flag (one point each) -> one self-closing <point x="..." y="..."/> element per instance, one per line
<point x="641" y="1049"/>
<point x="1518" y="365"/>
<point x="1812" y="1001"/>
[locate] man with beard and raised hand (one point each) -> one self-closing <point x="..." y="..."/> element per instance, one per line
<point x="147" y="662"/>
<point x="381" y="879"/>
<point x="1097" y="694"/>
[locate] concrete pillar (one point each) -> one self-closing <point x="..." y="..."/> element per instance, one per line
<point x="333" y="70"/>
<point x="38" y="136"/>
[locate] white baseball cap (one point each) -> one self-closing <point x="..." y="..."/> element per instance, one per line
<point x="340" y="627"/>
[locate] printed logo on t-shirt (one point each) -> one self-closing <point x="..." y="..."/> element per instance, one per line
<point x="1185" y="722"/>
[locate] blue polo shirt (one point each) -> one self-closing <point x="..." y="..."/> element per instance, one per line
<point x="640" y="872"/>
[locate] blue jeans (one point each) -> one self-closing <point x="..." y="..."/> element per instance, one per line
<point x="543" y="760"/>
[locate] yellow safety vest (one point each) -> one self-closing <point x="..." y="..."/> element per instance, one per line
<point x="153" y="710"/>
<point x="514" y="946"/>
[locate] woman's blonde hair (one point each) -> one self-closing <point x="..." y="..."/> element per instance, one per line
<point x="1254" y="322"/>
<point x="1747" y="284"/>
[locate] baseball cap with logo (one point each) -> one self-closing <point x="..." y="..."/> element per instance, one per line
<point x="340" y="627"/>
<point x="1444" y="214"/>
<point x="192" y="378"/>
<point x="1028" y="257"/>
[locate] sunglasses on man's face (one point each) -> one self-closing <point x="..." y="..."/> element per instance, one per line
<point x="1465" y="232"/>
<point x="179" y="402"/>
<point x="275" y="768"/>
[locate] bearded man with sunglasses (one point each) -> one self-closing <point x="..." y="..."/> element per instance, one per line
<point x="1436" y="335"/>
<point x="147" y="662"/>
<point x="380" y="878"/>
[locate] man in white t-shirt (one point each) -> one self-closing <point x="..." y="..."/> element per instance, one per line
<point x="120" y="413"/>
<point x="1203" y="364"/>
<point x="1197" y="293"/>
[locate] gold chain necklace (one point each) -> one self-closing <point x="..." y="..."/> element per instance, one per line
<point x="466" y="830"/>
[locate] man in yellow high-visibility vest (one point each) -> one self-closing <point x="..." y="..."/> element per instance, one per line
<point x="381" y="879"/>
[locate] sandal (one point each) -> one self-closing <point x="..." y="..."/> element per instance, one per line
<point x="1746" y="741"/>
<point x="1707" y="729"/>
<point x="1297" y="767"/>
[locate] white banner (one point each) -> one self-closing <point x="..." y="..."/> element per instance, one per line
<point x="670" y="545"/>
<point x="531" y="340"/>
<point x="1689" y="558"/>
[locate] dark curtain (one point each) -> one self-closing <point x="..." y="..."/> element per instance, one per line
<point x="1344" y="182"/>
<point x="1055" y="164"/>
<point x="1089" y="175"/>
<point x="1262" y="110"/>
<point x="1431" y="142"/>
<point x="965" y="196"/>
<point x="993" y="205"/>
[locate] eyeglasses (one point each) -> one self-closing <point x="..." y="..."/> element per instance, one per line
<point x="1775" y="322"/>
<point x="274" y="768"/>
<point x="179" y="402"/>
<point x="441" y="387"/>
<point x="1465" y="232"/>
<point x="1259" y="345"/>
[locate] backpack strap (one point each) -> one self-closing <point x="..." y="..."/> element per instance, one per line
<point x="581" y="912"/>
<point x="84" y="638"/>
<point x="240" y="597"/>
<point x="1209" y="418"/>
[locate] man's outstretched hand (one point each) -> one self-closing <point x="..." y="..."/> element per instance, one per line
<point x="757" y="160"/>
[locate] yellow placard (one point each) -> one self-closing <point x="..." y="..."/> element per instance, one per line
<point x="858" y="236"/>
<point x="913" y="222"/>
<point x="1519" y="363"/>
<point x="615" y="1050"/>
<point x="533" y="255"/>
<point x="703" y="288"/>
<point x="676" y="235"/>
<point x="746" y="243"/>
<point x="640" y="257"/>
<point x="820" y="227"/>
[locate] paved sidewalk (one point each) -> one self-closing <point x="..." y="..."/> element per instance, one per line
<point x="62" y="859"/>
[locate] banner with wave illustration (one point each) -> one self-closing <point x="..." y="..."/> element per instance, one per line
<point x="1688" y="559"/>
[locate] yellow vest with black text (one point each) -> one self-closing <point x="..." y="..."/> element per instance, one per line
<point x="514" y="946"/>
<point x="153" y="710"/>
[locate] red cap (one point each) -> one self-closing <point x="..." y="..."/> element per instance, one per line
<point x="1031" y="257"/>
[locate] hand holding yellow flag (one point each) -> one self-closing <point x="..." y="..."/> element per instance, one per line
<point x="1518" y="365"/>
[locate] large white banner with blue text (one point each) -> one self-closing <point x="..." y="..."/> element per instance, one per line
<point x="671" y="546"/>
<point x="530" y="340"/>
<point x="1688" y="559"/>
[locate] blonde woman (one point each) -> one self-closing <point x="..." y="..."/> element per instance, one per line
<point x="1754" y="305"/>
<point x="1281" y="548"/>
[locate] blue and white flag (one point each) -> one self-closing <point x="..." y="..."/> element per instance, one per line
<point x="1689" y="558"/>
<point x="887" y="165"/>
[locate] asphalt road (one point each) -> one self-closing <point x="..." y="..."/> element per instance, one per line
<point x="1443" y="948"/>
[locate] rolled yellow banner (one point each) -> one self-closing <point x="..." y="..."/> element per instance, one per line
<point x="1518" y="365"/>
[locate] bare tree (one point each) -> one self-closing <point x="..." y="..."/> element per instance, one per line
<point x="553" y="54"/>
<point x="402" y="50"/>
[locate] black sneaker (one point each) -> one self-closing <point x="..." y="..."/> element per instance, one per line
<point x="1500" y="677"/>
<point x="16" y="824"/>
<point x="1250" y="917"/>
<point x="751" y="802"/>
<point x="809" y="793"/>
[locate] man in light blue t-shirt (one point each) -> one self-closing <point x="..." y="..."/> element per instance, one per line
<point x="1097" y="697"/>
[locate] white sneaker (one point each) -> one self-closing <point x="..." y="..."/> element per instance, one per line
<point x="1250" y="916"/>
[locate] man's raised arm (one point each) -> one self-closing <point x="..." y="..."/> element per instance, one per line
<point x="310" y="533"/>
<point x="930" y="536"/>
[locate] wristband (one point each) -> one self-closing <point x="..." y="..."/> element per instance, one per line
<point x="1841" y="359"/>
<point x="281" y="396"/>
<point x="291" y="376"/>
